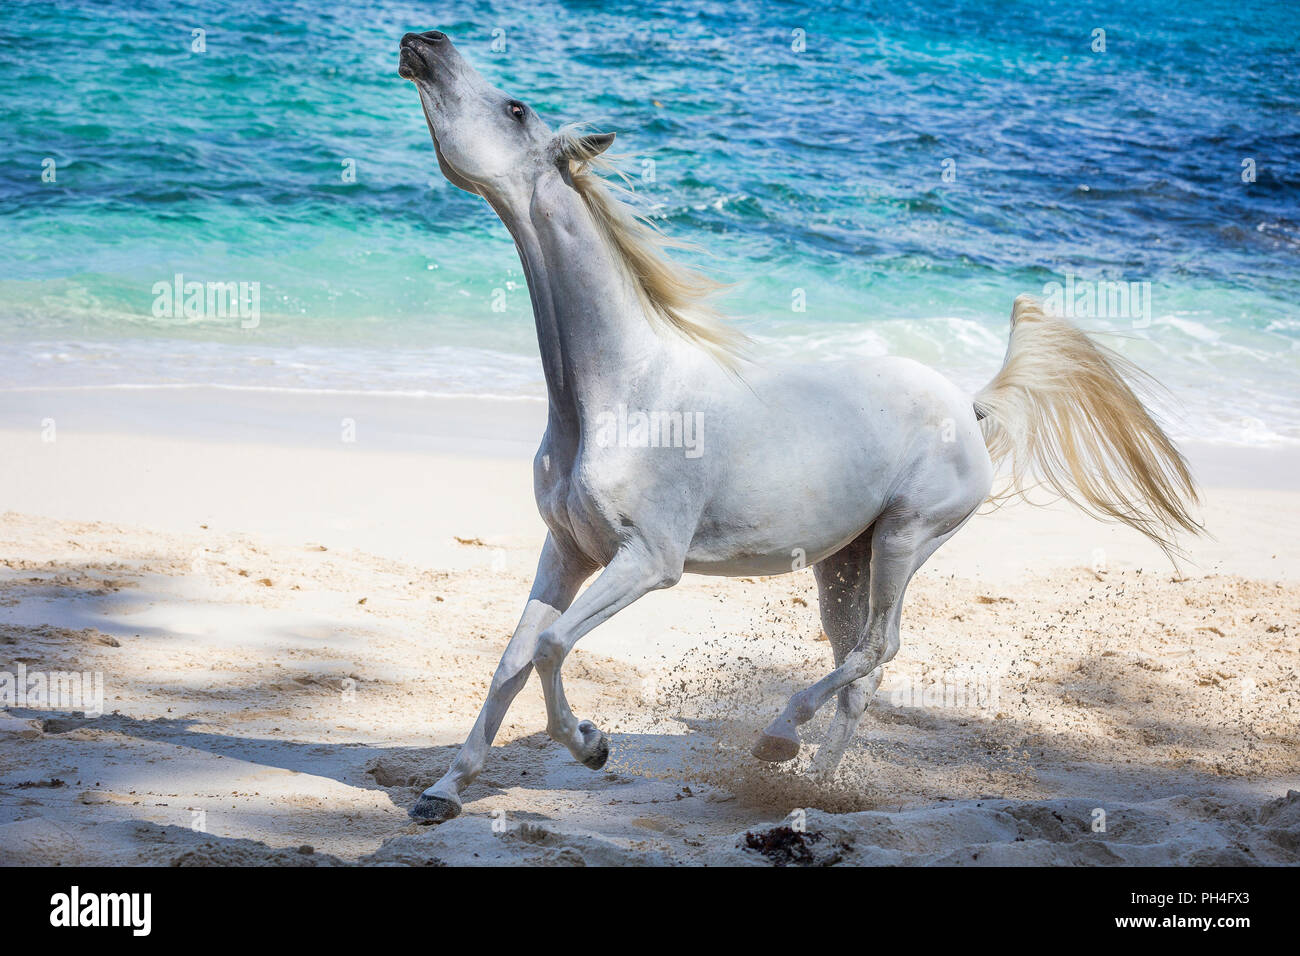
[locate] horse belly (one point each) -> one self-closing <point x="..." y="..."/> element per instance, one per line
<point x="787" y="518"/>
<point x="818" y="463"/>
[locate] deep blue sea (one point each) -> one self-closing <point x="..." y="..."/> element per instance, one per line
<point x="910" y="166"/>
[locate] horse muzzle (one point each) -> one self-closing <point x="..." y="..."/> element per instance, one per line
<point x="418" y="53"/>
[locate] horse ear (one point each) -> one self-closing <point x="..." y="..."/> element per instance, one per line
<point x="597" y="143"/>
<point x="582" y="148"/>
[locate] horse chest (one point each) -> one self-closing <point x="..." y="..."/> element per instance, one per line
<point x="574" y="508"/>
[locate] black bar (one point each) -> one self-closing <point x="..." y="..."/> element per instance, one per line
<point x="333" y="905"/>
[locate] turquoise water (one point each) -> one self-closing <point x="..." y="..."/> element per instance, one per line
<point x="819" y="169"/>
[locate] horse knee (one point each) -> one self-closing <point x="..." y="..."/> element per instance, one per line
<point x="549" y="652"/>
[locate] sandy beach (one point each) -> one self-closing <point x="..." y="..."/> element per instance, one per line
<point x="294" y="631"/>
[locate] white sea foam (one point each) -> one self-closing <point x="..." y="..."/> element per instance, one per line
<point x="1227" y="389"/>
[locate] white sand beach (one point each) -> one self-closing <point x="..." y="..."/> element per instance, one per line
<point x="295" y="631"/>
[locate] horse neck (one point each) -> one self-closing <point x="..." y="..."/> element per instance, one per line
<point x="592" y="329"/>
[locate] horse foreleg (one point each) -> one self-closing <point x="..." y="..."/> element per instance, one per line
<point x="632" y="573"/>
<point x="558" y="579"/>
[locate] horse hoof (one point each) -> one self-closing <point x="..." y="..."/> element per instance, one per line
<point x="595" y="745"/>
<point x="433" y="809"/>
<point x="775" y="749"/>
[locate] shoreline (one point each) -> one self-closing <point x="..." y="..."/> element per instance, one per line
<point x="492" y="426"/>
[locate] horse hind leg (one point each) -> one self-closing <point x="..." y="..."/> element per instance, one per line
<point x="842" y="586"/>
<point x="900" y="544"/>
<point x="851" y="704"/>
<point x="843" y="596"/>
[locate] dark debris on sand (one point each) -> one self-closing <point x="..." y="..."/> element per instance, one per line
<point x="785" y="846"/>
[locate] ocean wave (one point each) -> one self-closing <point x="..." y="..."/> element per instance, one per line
<point x="1227" y="398"/>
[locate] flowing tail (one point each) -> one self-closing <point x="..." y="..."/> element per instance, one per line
<point x="1060" y="411"/>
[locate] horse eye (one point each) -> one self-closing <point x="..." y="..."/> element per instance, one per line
<point x="516" y="110"/>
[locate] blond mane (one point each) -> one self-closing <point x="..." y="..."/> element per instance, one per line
<point x="673" y="295"/>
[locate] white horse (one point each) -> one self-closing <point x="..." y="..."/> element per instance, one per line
<point x="861" y="469"/>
